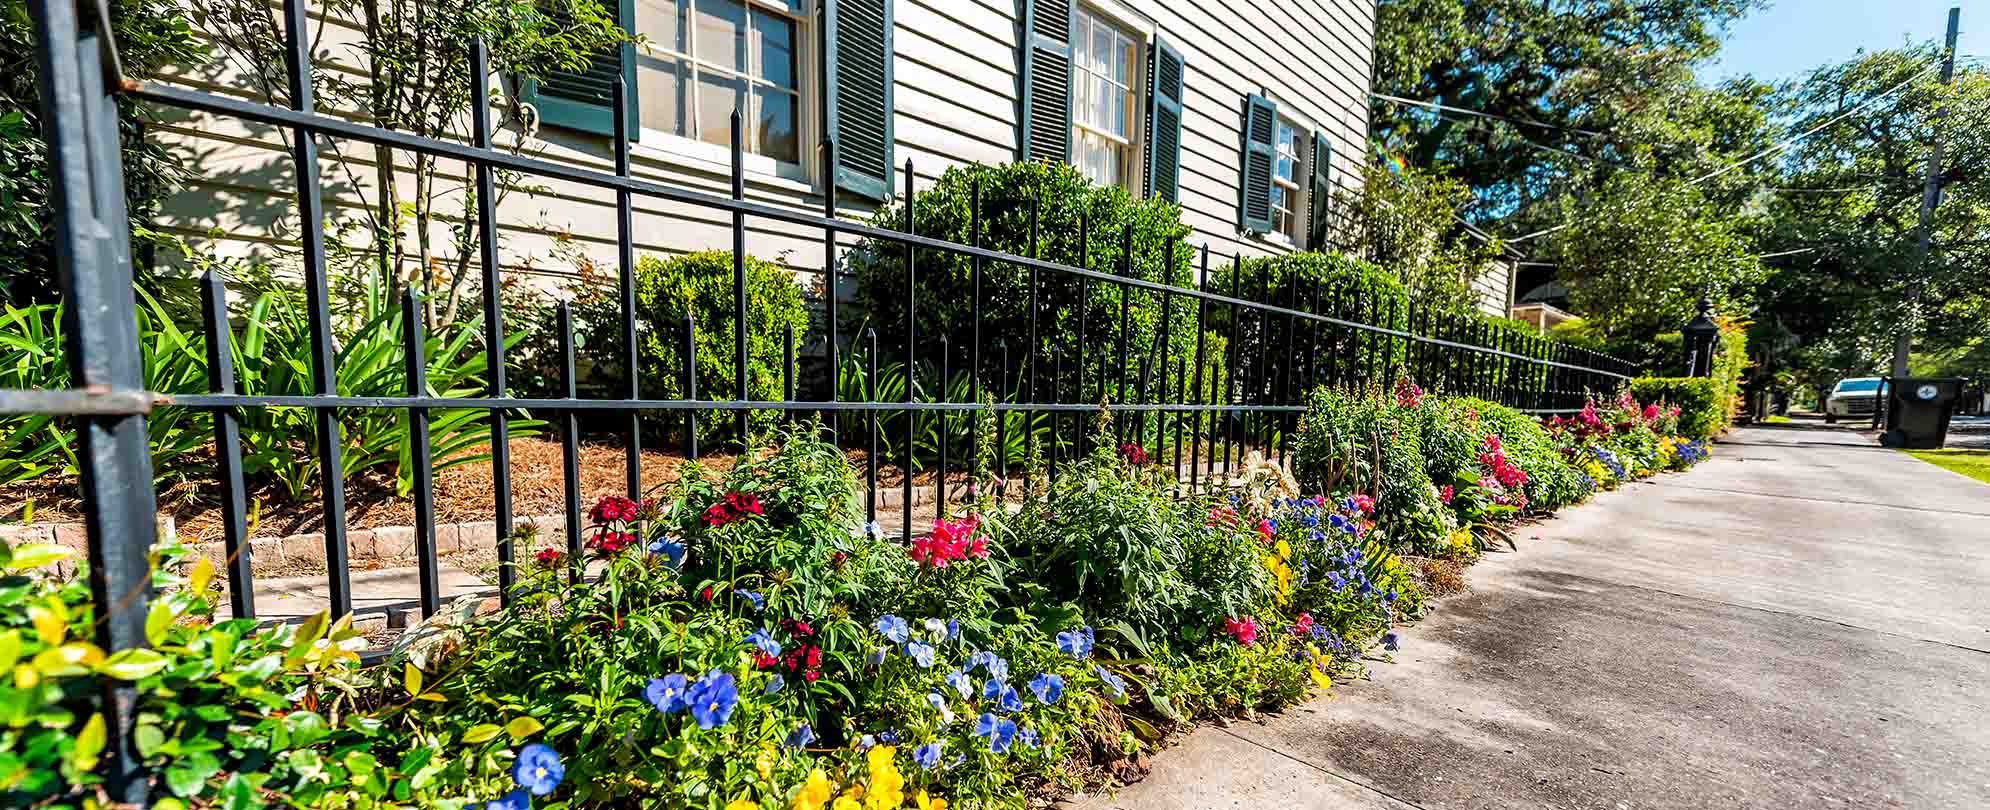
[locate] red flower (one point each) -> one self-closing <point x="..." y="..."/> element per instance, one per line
<point x="548" y="557"/>
<point x="1264" y="531"/>
<point x="1303" y="624"/>
<point x="1133" y="453"/>
<point x="719" y="515"/>
<point x="609" y="541"/>
<point x="811" y="675"/>
<point x="762" y="660"/>
<point x="1364" y="504"/>
<point x="837" y="560"/>
<point x="1445" y="494"/>
<point x="612" y="509"/>
<point x="706" y="594"/>
<point x="949" y="541"/>
<point x="1245" y="630"/>
<point x="744" y="503"/>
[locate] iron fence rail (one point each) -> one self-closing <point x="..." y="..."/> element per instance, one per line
<point x="1253" y="401"/>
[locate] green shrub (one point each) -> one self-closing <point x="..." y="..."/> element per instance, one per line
<point x="700" y="285"/>
<point x="1551" y="482"/>
<point x="945" y="280"/>
<point x="1370" y="443"/>
<point x="1702" y="409"/>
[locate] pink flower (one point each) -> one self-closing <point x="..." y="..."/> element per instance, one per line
<point x="1445" y="494"/>
<point x="548" y="557"/>
<point x="1408" y="394"/>
<point x="1303" y="624"/>
<point x="1364" y="504"/>
<point x="1651" y="413"/>
<point x="1264" y="531"/>
<point x="613" y="508"/>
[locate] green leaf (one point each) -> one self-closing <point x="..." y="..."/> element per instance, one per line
<point x="305" y="728"/>
<point x="133" y="664"/>
<point x="89" y="743"/>
<point x="522" y="727"/>
<point x="184" y="782"/>
<point x="158" y="620"/>
<point x="27" y="558"/>
<point x="482" y="733"/>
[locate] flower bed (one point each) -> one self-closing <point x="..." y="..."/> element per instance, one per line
<point x="750" y="642"/>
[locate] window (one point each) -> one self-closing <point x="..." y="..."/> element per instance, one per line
<point x="1288" y="217"/>
<point x="706" y="58"/>
<point x="1105" y="102"/>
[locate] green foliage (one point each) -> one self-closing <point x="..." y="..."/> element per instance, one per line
<point x="1703" y="412"/>
<point x="151" y="36"/>
<point x="1369" y="443"/>
<point x="1639" y="254"/>
<point x="1405" y="218"/>
<point x="1551" y="482"/>
<point x="701" y="286"/>
<point x="945" y="284"/>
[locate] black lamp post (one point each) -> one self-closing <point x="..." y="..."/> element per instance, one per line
<point x="1701" y="337"/>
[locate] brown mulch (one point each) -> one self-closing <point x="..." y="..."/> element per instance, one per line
<point x="463" y="493"/>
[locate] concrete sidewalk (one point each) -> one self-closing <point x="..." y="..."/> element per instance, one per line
<point x="1803" y="621"/>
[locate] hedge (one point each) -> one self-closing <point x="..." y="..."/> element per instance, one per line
<point x="1703" y="409"/>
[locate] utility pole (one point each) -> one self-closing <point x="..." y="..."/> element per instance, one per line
<point x="1931" y="196"/>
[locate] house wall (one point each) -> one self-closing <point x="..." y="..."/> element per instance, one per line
<point x="955" y="102"/>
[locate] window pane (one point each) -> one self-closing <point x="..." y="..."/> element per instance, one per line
<point x="776" y="49"/>
<point x="722" y="34"/>
<point x="1102" y="97"/>
<point x="662" y="23"/>
<point x="660" y="85"/>
<point x="1102" y="50"/>
<point x="1123" y="61"/>
<point x="778" y="136"/>
<point x="718" y="96"/>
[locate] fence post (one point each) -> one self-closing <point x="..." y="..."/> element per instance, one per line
<point x="93" y="267"/>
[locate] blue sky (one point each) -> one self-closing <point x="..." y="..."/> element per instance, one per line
<point x="1793" y="36"/>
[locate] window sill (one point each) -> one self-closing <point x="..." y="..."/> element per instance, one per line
<point x="705" y="158"/>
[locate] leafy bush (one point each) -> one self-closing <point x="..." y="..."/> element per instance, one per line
<point x="1346" y="286"/>
<point x="1368" y="443"/>
<point x="1551" y="482"/>
<point x="945" y="287"/>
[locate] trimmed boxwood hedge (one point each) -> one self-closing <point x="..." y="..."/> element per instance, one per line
<point x="1702" y="406"/>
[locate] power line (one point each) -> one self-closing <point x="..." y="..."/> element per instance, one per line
<point x="1432" y="105"/>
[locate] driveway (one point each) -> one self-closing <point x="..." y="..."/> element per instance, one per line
<point x="1802" y="621"/>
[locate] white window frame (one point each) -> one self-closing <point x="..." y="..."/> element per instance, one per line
<point x="688" y="150"/>
<point x="1138" y="30"/>
<point x="1295" y="189"/>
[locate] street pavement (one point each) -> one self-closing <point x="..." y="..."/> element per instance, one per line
<point x="1803" y="621"/>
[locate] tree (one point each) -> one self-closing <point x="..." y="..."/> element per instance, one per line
<point x="1596" y="85"/>
<point x="1406" y="220"/>
<point x="1643" y="250"/>
<point x="1849" y="198"/>
<point x="417" y="79"/>
<point x="150" y="34"/>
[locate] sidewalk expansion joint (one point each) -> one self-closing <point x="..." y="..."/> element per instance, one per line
<point x="1344" y="778"/>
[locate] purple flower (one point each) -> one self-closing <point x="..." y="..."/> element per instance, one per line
<point x="800" y="737"/>
<point x="876" y="658"/>
<point x="538" y="769"/>
<point x="928" y="755"/>
<point x="953" y="629"/>
<point x="667" y="693"/>
<point x="759" y="602"/>
<point x="713" y="698"/>
<point x="1389" y="641"/>
<point x="1047" y="687"/>
<point x="775" y="685"/>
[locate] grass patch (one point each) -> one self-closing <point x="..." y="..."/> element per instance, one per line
<point x="1777" y="419"/>
<point x="1973" y="463"/>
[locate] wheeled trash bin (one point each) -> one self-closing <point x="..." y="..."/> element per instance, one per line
<point x="1918" y="411"/>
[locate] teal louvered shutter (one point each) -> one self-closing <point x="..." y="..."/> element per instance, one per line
<point x="583" y="100"/>
<point x="857" y="57"/>
<point x="1322" y="194"/>
<point x="1043" y="79"/>
<point x="1164" y="121"/>
<point x="1260" y="126"/>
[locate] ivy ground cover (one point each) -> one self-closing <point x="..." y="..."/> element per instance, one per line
<point x="748" y="640"/>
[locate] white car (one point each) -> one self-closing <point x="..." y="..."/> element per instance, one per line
<point x="1852" y="397"/>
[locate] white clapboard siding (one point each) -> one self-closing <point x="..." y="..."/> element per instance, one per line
<point x="955" y="103"/>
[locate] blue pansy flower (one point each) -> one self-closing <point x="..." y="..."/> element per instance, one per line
<point x="1076" y="643"/>
<point x="999" y="731"/>
<point x="761" y="639"/>
<point x="1028" y="738"/>
<point x="800" y="737"/>
<point x="515" y="800"/>
<point x="953" y="629"/>
<point x="939" y="703"/>
<point x="775" y="685"/>
<point x="888" y="737"/>
<point x="867" y="742"/>
<point x="920" y="652"/>
<point x="538" y="769"/>
<point x="667" y="693"/>
<point x="991" y="689"/>
<point x="673" y="552"/>
<point x="1114" y="686"/>
<point x="936" y="629"/>
<point x="1047" y="687"/>
<point x="1009" y="700"/>
<point x="1389" y="641"/>
<point x="1389" y="597"/>
<point x="894" y="628"/>
<point x="876" y="658"/>
<point x="927" y="756"/>
<point x="759" y="601"/>
<point x="997" y="668"/>
<point x="873" y="530"/>
<point x="713" y="698"/>
<point x="961" y="683"/>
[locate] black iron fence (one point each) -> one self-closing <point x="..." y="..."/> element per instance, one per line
<point x="1169" y="407"/>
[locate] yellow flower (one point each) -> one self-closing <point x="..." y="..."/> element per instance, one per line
<point x="764" y="764"/>
<point x="1283" y="548"/>
<point x="743" y="804"/>
<point x="887" y="785"/>
<point x="927" y="803"/>
<point x="815" y="793"/>
<point x="846" y="803"/>
<point x="1320" y="679"/>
